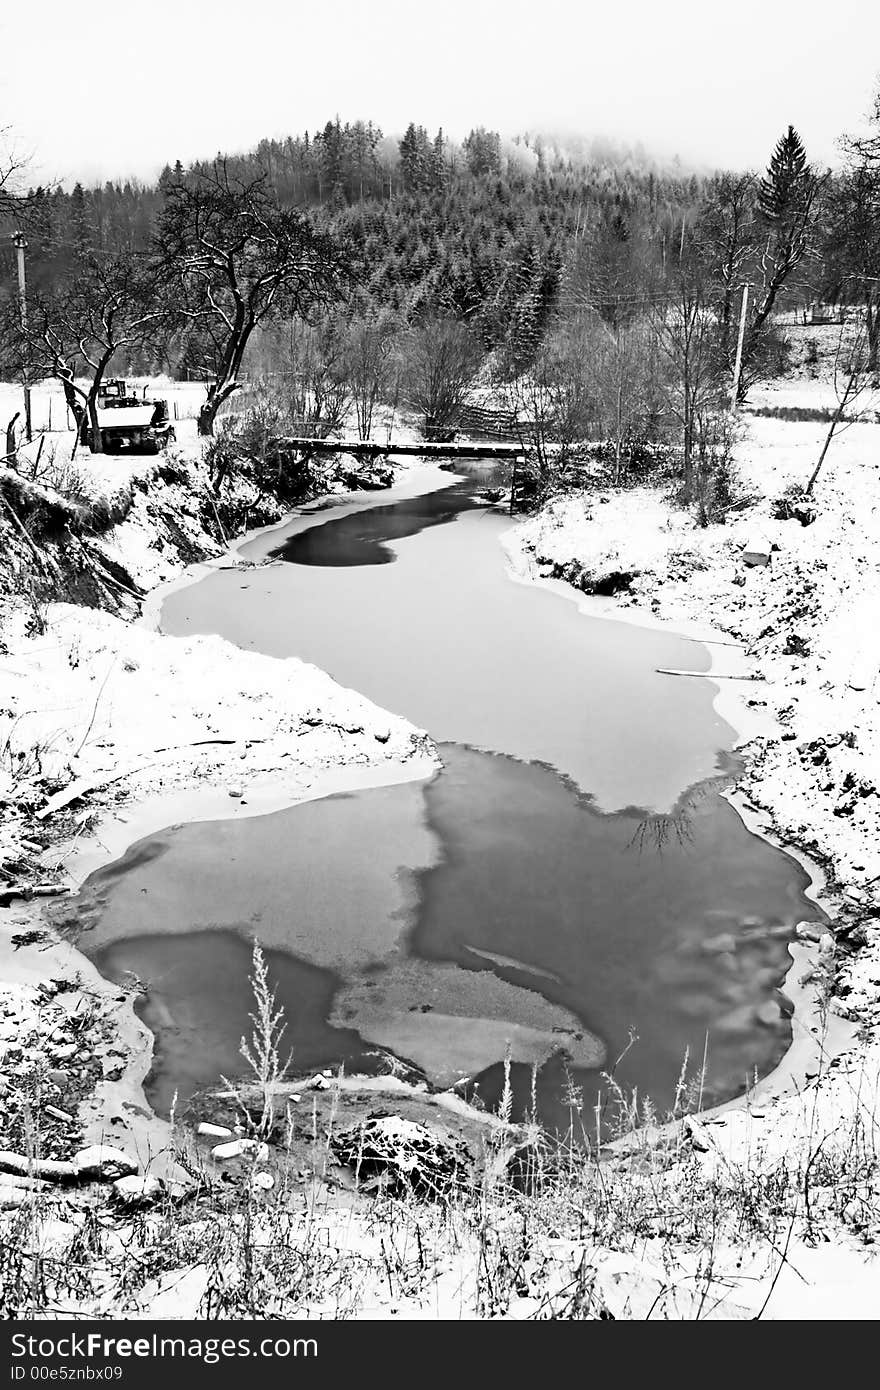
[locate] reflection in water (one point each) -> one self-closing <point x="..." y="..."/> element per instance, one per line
<point x="661" y="829"/>
<point x="197" y="1009"/>
<point x="673" y="927"/>
<point x="363" y="538"/>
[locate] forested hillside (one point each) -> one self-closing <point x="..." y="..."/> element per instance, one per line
<point x="479" y="232"/>
<point x="597" y="298"/>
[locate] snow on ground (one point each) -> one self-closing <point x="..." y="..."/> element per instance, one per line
<point x="810" y="616"/>
<point x="95" y="700"/>
<point x="810" y="623"/>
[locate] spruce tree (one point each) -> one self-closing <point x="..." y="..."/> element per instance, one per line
<point x="782" y="190"/>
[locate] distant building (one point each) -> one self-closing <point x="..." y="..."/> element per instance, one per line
<point x="817" y="312"/>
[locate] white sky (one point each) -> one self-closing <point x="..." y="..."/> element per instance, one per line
<point x="122" y="88"/>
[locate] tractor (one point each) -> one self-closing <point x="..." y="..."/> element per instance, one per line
<point x="131" y="423"/>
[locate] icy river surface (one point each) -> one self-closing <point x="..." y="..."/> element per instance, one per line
<point x="571" y="887"/>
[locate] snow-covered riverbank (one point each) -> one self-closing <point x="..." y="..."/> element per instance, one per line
<point x="111" y="731"/>
<point x="807" y="622"/>
<point x="807" y="626"/>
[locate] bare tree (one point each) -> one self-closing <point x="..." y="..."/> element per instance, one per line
<point x="108" y="305"/>
<point x="555" y="402"/>
<point x="315" y="371"/>
<point x="715" y="433"/>
<point x="695" y="378"/>
<point x="852" y="376"/>
<point x="12" y="198"/>
<point x="233" y="258"/>
<point x="853" y="242"/>
<point x="726" y="233"/>
<point x="441" y="359"/>
<point x="853" y="248"/>
<point x="369" y="359"/>
<point x="621" y="361"/>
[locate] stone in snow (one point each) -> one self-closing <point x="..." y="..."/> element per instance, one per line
<point x="698" y="1136"/>
<point x="103" y="1163"/>
<point x="401" y="1154"/>
<point x="757" y="550"/>
<point x="808" y="931"/>
<point x="239" y="1147"/>
<point x="134" y="1191"/>
<point x="215" y="1131"/>
<point x="58" y="1114"/>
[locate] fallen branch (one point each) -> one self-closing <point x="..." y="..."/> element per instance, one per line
<point x="91" y="722"/>
<point x="27" y="536"/>
<point x="100" y="572"/>
<point x="707" y="675"/>
<point x="223" y="535"/>
<point x="27" y="891"/>
<point x="84" y="785"/>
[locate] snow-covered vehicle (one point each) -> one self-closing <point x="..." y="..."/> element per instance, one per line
<point x="132" y="423"/>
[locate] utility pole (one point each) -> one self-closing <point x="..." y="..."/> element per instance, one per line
<point x="20" y="242"/>
<point x="734" y="390"/>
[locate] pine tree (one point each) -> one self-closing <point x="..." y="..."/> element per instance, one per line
<point x="787" y="208"/>
<point x="782" y="190"/>
<point x="415" y="158"/>
<point x="483" y="151"/>
<point x="79" y="223"/>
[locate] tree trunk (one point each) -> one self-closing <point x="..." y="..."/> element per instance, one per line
<point x="872" y="326"/>
<point x="10" y="440"/>
<point x="207" y="415"/>
<point x="688" y="462"/>
<point x="688" y="439"/>
<point x="618" y="442"/>
<point x="74" y="405"/>
<point x="96" y="442"/>
<point x="841" y="406"/>
<point x="224" y="385"/>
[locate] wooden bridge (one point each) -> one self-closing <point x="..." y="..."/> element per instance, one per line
<point x="370" y="448"/>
